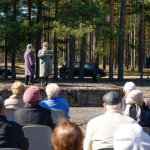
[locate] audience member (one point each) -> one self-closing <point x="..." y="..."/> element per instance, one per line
<point x="53" y="101"/>
<point x="128" y="87"/>
<point x="134" y="103"/>
<point x="11" y="134"/>
<point x="67" y="136"/>
<point x="131" y="137"/>
<point x="101" y="129"/>
<point x="15" y="101"/>
<point x="32" y="112"/>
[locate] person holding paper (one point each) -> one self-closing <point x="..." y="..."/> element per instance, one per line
<point x="45" y="63"/>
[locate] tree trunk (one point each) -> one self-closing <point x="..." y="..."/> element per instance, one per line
<point x="13" y="50"/>
<point x="38" y="41"/>
<point x="120" y="50"/>
<point x="29" y="18"/>
<point x="82" y="60"/>
<point x="111" y="58"/>
<point x="143" y="37"/>
<point x="55" y="45"/>
<point x="71" y="55"/>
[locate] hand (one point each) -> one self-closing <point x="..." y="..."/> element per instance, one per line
<point x="50" y="54"/>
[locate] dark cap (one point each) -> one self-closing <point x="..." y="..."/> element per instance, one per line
<point x="1" y="104"/>
<point x="112" y="98"/>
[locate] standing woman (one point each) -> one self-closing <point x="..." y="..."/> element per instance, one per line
<point x="45" y="64"/>
<point x="29" y="65"/>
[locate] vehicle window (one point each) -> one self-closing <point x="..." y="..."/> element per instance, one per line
<point x="76" y="65"/>
<point x="87" y="66"/>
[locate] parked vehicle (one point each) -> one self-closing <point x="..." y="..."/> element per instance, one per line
<point x="87" y="70"/>
<point x="2" y="72"/>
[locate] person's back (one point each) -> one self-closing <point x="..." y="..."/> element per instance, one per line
<point x="101" y="129"/>
<point x="134" y="108"/>
<point x="32" y="112"/>
<point x="53" y="101"/>
<point x="11" y="134"/>
<point x="131" y="137"/>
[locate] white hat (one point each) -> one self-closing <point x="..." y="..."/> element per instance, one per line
<point x="129" y="86"/>
<point x="131" y="137"/>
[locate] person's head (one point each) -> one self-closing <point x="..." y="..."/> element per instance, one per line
<point x="135" y="97"/>
<point x="29" y="46"/>
<point x="31" y="95"/>
<point x="131" y="137"/>
<point x="52" y="90"/>
<point x="45" y="45"/>
<point x="67" y="136"/>
<point x="2" y="107"/>
<point x="112" y="101"/>
<point x="128" y="87"/>
<point x="18" y="88"/>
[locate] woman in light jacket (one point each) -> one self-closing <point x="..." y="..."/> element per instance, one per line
<point x="45" y="64"/>
<point x="15" y="101"/>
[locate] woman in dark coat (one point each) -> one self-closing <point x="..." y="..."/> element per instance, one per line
<point x="29" y="65"/>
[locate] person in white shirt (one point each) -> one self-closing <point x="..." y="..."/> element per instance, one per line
<point x="100" y="130"/>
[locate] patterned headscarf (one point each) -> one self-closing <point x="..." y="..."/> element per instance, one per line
<point x="134" y="97"/>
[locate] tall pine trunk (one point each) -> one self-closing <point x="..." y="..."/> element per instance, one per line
<point x="13" y="50"/>
<point x="120" y="49"/>
<point x="82" y="60"/>
<point x="111" y="57"/>
<point x="55" y="45"/>
<point x="71" y="54"/>
<point x="38" y="41"/>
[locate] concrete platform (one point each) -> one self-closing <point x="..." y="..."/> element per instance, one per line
<point x="76" y="94"/>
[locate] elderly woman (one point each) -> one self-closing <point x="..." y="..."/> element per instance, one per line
<point x="32" y="112"/>
<point x="45" y="56"/>
<point x="29" y="65"/>
<point x="15" y="101"/>
<point x="67" y="136"/>
<point x="134" y="103"/>
<point x="53" y="101"/>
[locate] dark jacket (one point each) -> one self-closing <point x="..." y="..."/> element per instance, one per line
<point x="94" y="68"/>
<point x="34" y="114"/>
<point x="145" y="116"/>
<point x="11" y="135"/>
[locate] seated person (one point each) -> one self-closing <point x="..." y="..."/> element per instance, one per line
<point x="15" y="101"/>
<point x="146" y="104"/>
<point x="62" y="72"/>
<point x="53" y="101"/>
<point x="11" y="134"/>
<point x="131" y="137"/>
<point x="32" y="112"/>
<point x="134" y="103"/>
<point x="67" y="136"/>
<point x="128" y="87"/>
<point x="100" y="130"/>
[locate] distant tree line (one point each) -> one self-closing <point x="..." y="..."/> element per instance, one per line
<point x="115" y="33"/>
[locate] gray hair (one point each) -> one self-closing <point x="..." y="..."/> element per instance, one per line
<point x="52" y="90"/>
<point x="113" y="107"/>
<point x="128" y="87"/>
<point x="1" y="104"/>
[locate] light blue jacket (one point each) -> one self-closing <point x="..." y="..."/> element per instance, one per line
<point x="56" y="103"/>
